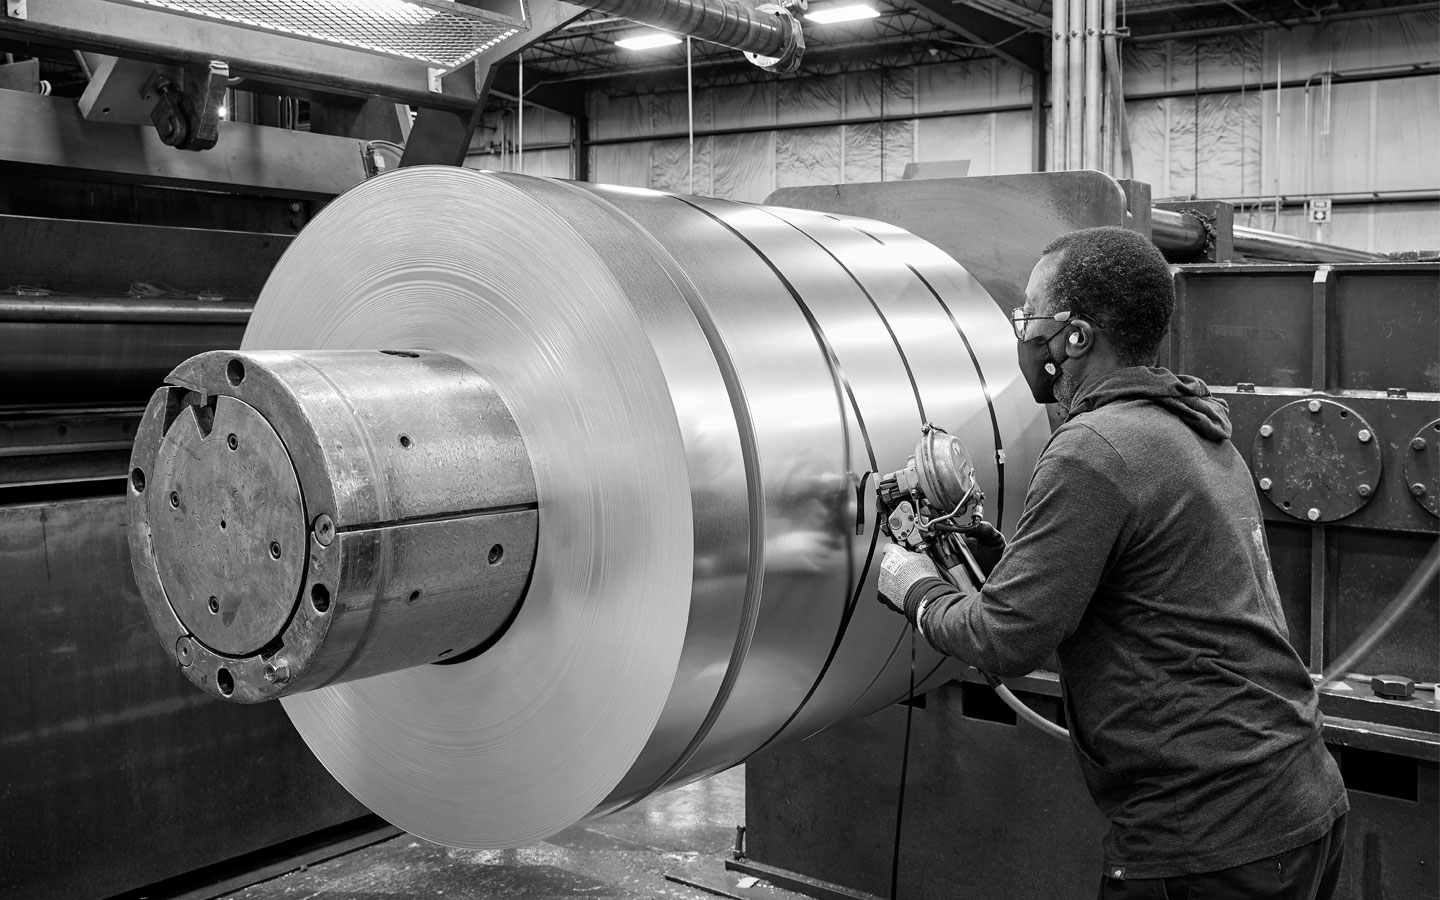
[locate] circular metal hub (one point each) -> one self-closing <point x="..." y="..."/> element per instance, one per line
<point x="227" y="522"/>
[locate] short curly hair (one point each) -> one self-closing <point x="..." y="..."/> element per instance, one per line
<point x="1118" y="279"/>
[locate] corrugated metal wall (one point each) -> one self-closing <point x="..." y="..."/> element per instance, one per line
<point x="1203" y="122"/>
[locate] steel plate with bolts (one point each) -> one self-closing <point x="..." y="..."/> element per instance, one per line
<point x="1317" y="460"/>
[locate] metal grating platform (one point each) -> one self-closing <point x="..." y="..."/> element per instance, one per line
<point x="441" y="34"/>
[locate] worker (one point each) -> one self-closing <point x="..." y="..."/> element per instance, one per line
<point x="1140" y="559"/>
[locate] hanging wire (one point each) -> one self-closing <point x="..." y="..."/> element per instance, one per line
<point x="690" y="106"/>
<point x="520" y="111"/>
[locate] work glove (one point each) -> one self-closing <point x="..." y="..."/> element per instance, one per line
<point x="986" y="544"/>
<point x="900" y="569"/>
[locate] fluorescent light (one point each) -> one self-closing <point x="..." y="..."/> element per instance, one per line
<point x="648" y="41"/>
<point x="848" y="12"/>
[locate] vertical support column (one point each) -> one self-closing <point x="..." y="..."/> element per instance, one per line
<point x="1322" y="377"/>
<point x="1059" y="82"/>
<point x="1093" y="98"/>
<point x="1075" y="83"/>
<point x="1322" y="374"/>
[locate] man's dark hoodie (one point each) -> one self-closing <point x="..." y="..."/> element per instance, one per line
<point x="1140" y="558"/>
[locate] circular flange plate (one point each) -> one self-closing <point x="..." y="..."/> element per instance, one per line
<point x="1317" y="460"/>
<point x="228" y="525"/>
<point x="1422" y="467"/>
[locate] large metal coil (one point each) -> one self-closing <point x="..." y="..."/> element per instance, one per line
<point x="703" y="388"/>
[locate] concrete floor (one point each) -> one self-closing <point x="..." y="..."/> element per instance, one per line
<point x="623" y="856"/>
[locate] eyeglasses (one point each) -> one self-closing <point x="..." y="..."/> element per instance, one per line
<point x="1018" y="319"/>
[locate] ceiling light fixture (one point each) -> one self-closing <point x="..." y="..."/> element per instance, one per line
<point x="648" y="40"/>
<point x="848" y="12"/>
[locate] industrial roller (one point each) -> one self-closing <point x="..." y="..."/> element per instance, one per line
<point x="531" y="498"/>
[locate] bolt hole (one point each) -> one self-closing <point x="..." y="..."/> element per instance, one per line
<point x="225" y="681"/>
<point x="1286" y="504"/>
<point x="274" y="550"/>
<point x="222" y="523"/>
<point x="1344" y="414"/>
<point x="137" y="480"/>
<point x="235" y="372"/>
<point x="320" y="598"/>
<point x="405" y="441"/>
<point x="1436" y="426"/>
<point x="214" y="606"/>
<point x="414" y="595"/>
<point x="232" y="442"/>
<point x="104" y="110"/>
<point x="174" y="500"/>
<point x="496" y="553"/>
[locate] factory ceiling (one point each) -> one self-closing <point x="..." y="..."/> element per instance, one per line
<point x="583" y="55"/>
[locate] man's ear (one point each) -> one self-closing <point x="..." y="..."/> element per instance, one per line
<point x="1081" y="339"/>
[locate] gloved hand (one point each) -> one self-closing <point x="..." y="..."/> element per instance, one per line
<point x="986" y="544"/>
<point x="899" y="570"/>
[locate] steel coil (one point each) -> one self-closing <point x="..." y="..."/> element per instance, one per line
<point x="703" y="387"/>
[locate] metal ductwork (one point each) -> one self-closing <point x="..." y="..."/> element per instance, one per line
<point x="770" y="34"/>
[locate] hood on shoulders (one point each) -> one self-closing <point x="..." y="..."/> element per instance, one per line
<point x="1184" y="396"/>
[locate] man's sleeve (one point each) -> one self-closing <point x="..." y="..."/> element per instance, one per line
<point x="1076" y="511"/>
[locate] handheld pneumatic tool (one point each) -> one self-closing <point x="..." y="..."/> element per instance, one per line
<point x="933" y="503"/>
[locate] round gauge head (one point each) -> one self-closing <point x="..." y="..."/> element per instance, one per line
<point x="947" y="476"/>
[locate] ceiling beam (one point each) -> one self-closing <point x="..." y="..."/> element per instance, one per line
<point x="1018" y="44"/>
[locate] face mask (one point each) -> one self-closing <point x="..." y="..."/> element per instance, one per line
<point x="1040" y="368"/>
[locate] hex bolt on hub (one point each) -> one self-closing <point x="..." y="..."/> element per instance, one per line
<point x="278" y="671"/>
<point x="1313" y="515"/>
